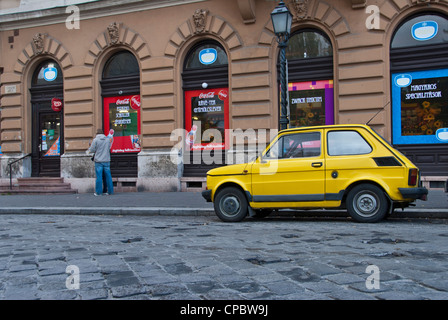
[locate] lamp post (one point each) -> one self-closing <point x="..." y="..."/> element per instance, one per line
<point x="281" y="21"/>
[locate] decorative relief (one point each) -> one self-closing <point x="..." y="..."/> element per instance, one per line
<point x="300" y="8"/>
<point x="200" y="20"/>
<point x="113" y="32"/>
<point x="38" y="41"/>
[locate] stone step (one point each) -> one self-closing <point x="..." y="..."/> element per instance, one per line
<point x="38" y="186"/>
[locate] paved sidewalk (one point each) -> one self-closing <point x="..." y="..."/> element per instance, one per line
<point x="172" y="203"/>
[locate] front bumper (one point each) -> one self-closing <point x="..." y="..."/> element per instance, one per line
<point x="207" y="195"/>
<point x="414" y="193"/>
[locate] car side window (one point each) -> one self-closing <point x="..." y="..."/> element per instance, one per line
<point x="302" y="145"/>
<point x="296" y="145"/>
<point x="341" y="143"/>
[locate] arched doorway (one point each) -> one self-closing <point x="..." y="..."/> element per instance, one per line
<point x="205" y="85"/>
<point x="47" y="120"/>
<point x="310" y="78"/>
<point x="120" y="90"/>
<point x="419" y="87"/>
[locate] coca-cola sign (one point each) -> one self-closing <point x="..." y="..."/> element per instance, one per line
<point x="135" y="102"/>
<point x="56" y="104"/>
<point x="207" y="95"/>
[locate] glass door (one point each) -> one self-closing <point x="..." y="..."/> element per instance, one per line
<point x="49" y="143"/>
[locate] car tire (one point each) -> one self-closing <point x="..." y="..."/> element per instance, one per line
<point x="231" y="205"/>
<point x="367" y="203"/>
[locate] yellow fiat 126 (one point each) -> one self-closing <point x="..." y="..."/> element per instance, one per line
<point x="332" y="166"/>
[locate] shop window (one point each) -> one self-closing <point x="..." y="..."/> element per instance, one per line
<point x="420" y="87"/>
<point x="420" y="106"/>
<point x="310" y="75"/>
<point x="122" y="111"/>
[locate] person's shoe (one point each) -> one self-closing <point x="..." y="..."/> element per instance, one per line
<point x="106" y="194"/>
<point x="95" y="194"/>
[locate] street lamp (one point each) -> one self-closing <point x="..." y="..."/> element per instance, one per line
<point x="281" y="21"/>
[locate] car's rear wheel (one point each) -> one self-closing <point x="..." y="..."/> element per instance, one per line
<point x="231" y="205"/>
<point x="367" y="203"/>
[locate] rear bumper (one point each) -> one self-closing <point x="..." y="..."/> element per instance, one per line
<point x="414" y="193"/>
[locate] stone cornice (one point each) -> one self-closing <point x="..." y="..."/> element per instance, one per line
<point x="88" y="10"/>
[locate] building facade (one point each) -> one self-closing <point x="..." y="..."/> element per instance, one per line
<point x="186" y="85"/>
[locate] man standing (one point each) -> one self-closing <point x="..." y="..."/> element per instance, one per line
<point x="101" y="148"/>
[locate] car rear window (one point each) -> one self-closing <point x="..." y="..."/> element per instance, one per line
<point x="341" y="143"/>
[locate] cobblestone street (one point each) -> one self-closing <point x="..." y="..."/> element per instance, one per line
<point x="183" y="258"/>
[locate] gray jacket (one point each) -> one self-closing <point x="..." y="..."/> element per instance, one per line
<point x="101" y="147"/>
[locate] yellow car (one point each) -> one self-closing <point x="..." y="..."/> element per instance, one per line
<point x="332" y="166"/>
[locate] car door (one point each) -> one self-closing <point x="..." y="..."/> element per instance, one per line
<point x="291" y="172"/>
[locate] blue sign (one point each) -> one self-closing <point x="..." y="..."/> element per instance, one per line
<point x="424" y="30"/>
<point x="208" y="56"/>
<point x="50" y="73"/>
<point x="442" y="134"/>
<point x="403" y="80"/>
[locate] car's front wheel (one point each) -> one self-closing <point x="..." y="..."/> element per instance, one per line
<point x="231" y="205"/>
<point x="367" y="203"/>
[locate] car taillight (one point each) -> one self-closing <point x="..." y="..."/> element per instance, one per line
<point x="413" y="177"/>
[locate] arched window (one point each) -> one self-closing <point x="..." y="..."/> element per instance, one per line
<point x="47" y="73"/>
<point x="205" y="63"/>
<point x="120" y="88"/>
<point x="121" y="64"/>
<point x="310" y="75"/>
<point x="419" y="86"/>
<point x="308" y="44"/>
<point x="205" y="83"/>
<point x="421" y="30"/>
<point x="206" y="55"/>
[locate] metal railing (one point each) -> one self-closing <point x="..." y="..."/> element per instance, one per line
<point x="10" y="168"/>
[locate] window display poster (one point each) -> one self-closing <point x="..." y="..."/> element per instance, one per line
<point x="122" y="122"/>
<point x="206" y="119"/>
<point x="419" y="106"/>
<point x="311" y="103"/>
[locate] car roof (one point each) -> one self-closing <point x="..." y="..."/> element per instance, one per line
<point x="329" y="126"/>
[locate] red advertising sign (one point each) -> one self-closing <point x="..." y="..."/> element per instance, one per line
<point x="56" y="104"/>
<point x="122" y="122"/>
<point x="207" y="118"/>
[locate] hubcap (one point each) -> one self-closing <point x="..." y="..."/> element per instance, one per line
<point x="366" y="204"/>
<point x="230" y="205"/>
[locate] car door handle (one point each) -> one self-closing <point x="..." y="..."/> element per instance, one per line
<point x="316" y="164"/>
